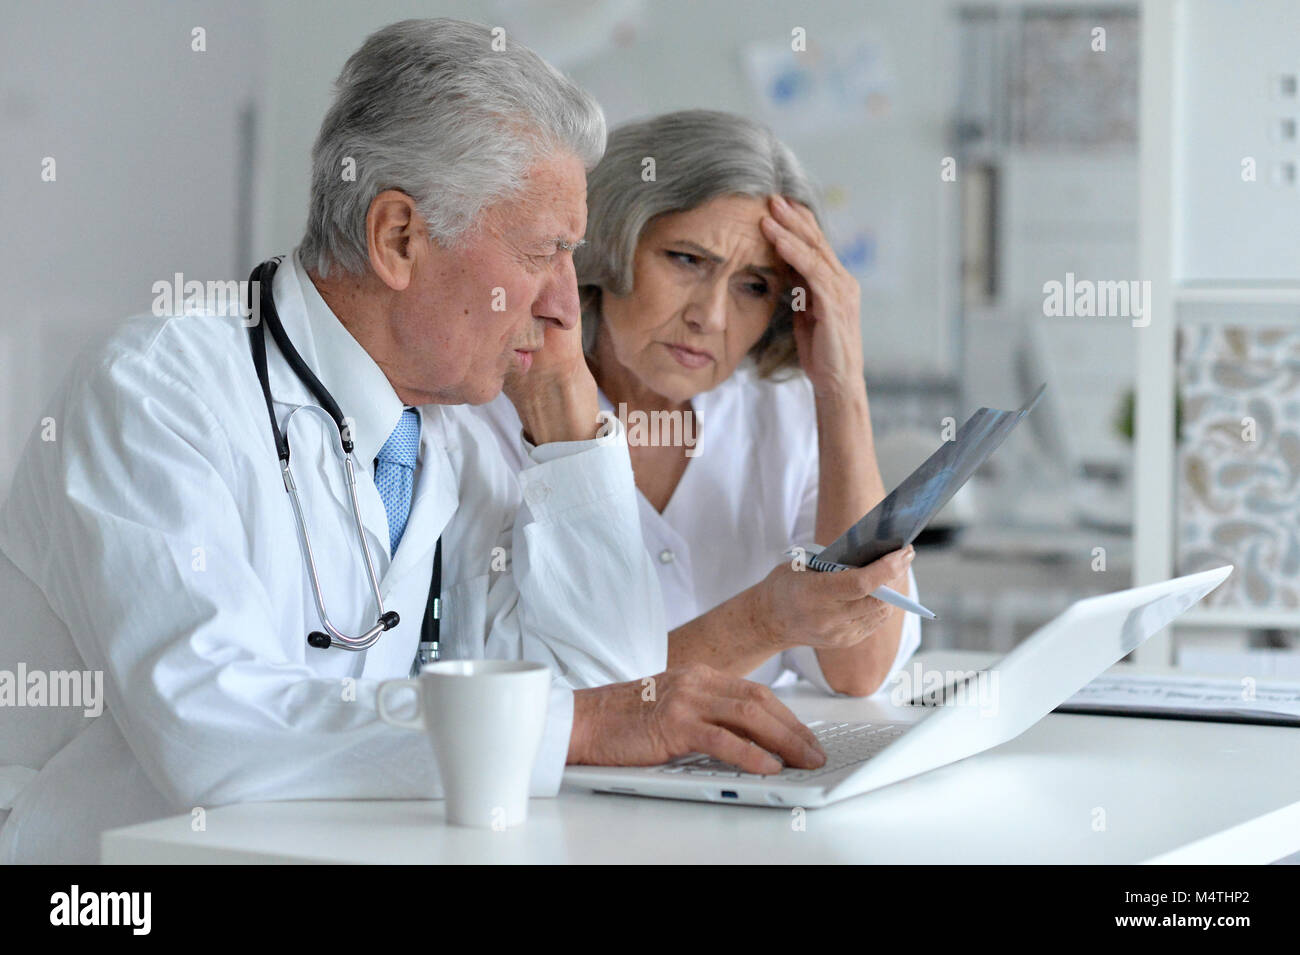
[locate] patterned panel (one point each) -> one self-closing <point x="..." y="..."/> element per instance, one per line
<point x="1239" y="462"/>
<point x="1066" y="93"/>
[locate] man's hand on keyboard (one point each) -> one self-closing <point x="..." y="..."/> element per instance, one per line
<point x="691" y="709"/>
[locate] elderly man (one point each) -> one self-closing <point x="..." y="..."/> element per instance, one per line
<point x="149" y="536"/>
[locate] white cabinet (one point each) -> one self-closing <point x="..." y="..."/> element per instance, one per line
<point x="1219" y="249"/>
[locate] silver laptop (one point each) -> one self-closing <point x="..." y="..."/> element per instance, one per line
<point x="956" y="718"/>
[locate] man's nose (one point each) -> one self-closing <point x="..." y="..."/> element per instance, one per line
<point x="559" y="300"/>
<point x="707" y="309"/>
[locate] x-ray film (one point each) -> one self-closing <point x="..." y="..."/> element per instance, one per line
<point x="897" y="520"/>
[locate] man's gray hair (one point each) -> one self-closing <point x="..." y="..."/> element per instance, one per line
<point x="698" y="155"/>
<point x="429" y="108"/>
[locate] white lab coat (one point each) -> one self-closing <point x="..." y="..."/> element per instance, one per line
<point x="748" y="494"/>
<point x="153" y="540"/>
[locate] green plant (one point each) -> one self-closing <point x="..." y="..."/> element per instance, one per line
<point x="1126" y="415"/>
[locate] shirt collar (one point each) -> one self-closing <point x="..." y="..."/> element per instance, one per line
<point x="347" y="371"/>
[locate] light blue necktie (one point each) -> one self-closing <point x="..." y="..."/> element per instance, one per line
<point x="395" y="474"/>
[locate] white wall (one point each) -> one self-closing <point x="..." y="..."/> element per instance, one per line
<point x="1233" y="108"/>
<point x="144" y="134"/>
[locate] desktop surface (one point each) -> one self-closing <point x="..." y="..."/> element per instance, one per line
<point x="1072" y="789"/>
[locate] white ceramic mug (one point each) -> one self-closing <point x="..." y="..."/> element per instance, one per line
<point x="485" y="719"/>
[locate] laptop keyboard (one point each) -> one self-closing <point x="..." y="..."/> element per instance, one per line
<point x="845" y="744"/>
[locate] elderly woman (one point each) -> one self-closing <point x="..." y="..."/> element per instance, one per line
<point x="713" y="304"/>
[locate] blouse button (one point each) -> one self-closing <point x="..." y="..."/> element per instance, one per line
<point x="666" y="557"/>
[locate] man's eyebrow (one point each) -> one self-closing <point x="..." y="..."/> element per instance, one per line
<point x="716" y="259"/>
<point x="564" y="245"/>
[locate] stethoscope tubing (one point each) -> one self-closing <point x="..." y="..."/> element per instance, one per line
<point x="337" y="637"/>
<point x="332" y="637"/>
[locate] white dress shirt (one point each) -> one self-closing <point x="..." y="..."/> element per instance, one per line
<point x="153" y="540"/>
<point x="747" y="496"/>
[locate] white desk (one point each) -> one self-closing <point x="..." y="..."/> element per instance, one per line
<point x="1170" y="791"/>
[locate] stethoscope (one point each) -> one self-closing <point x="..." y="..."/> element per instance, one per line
<point x="329" y="410"/>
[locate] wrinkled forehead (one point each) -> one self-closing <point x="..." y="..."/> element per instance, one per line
<point x="551" y="205"/>
<point x="728" y="227"/>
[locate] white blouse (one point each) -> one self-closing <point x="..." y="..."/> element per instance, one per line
<point x="748" y="494"/>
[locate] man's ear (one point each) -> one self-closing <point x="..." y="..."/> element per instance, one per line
<point x="392" y="233"/>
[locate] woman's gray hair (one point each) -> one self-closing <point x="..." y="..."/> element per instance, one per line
<point x="430" y="108"/>
<point x="698" y="155"/>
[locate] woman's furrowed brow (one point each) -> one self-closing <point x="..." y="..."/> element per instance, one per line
<point x="713" y="257"/>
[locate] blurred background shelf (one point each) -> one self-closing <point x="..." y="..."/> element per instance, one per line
<point x="1221" y="617"/>
<point x="1238" y="293"/>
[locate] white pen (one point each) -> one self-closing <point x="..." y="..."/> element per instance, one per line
<point x="882" y="593"/>
<point x="892" y="597"/>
